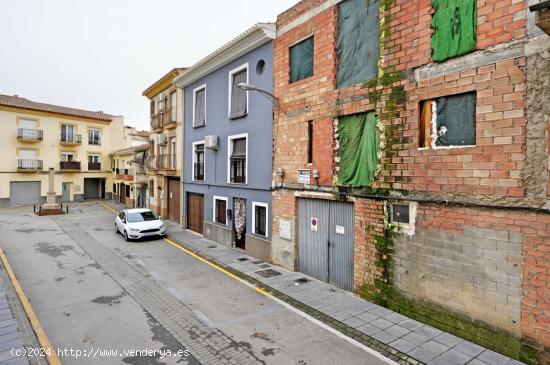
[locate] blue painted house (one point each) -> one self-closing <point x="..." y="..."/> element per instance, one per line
<point x="228" y="143"/>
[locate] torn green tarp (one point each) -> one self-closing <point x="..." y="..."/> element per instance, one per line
<point x="359" y="140"/>
<point x="454" y="22"/>
<point x="301" y="60"/>
<point x="456" y="120"/>
<point x="358" y="44"/>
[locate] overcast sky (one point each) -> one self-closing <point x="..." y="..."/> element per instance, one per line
<point x="102" y="54"/>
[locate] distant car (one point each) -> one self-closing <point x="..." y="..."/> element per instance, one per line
<point x="139" y="223"/>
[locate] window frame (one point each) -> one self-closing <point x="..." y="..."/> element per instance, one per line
<point x="230" y="151"/>
<point x="266" y="206"/>
<point x="194" y="160"/>
<point x="93" y="129"/>
<point x="231" y="73"/>
<point x="174" y="106"/>
<point x="214" y="215"/>
<point x="195" y="91"/>
<point x="408" y="228"/>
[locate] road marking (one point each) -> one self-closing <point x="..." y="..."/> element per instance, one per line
<point x="35" y="323"/>
<point x="283" y="303"/>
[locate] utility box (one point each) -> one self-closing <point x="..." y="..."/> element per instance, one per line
<point x="211" y="142"/>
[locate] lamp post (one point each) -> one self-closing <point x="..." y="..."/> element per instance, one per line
<point x="249" y="87"/>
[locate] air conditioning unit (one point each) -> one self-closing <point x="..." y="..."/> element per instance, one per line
<point x="211" y="142"/>
<point x="161" y="139"/>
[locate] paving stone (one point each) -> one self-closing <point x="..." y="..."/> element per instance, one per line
<point x="416" y="338"/>
<point x="477" y="362"/>
<point x="447" y="339"/>
<point x="368" y="329"/>
<point x="492" y="358"/>
<point x="381" y="323"/>
<point x="454" y="357"/>
<point x="403" y="346"/>
<point x="396" y="318"/>
<point x="354" y="322"/>
<point x="423" y="355"/>
<point x="385" y="337"/>
<point x="514" y="362"/>
<point x="411" y="324"/>
<point x="397" y="330"/>
<point x="367" y="317"/>
<point x="341" y="316"/>
<point x="435" y="347"/>
<point x="469" y="348"/>
<point x="10" y="344"/>
<point x="381" y="312"/>
<point x="428" y="331"/>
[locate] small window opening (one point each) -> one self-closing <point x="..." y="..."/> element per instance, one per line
<point x="310" y="141"/>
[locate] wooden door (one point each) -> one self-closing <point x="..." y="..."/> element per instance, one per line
<point x="195" y="212"/>
<point x="174" y="200"/>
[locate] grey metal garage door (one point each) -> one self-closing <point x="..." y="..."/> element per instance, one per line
<point x="92" y="188"/>
<point x="24" y="192"/>
<point x="325" y="241"/>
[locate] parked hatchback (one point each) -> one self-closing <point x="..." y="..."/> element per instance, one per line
<point x="139" y="223"/>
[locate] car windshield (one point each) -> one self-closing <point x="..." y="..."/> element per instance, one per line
<point x="142" y="217"/>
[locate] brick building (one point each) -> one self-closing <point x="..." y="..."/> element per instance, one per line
<point x="411" y="161"/>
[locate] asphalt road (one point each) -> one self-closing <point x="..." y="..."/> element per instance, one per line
<point x="97" y="294"/>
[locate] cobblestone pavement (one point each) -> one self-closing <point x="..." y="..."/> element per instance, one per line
<point x="414" y="339"/>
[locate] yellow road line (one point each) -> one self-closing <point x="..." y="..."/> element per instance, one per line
<point x="35" y="323"/>
<point x="194" y="255"/>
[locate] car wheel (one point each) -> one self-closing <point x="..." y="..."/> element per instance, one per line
<point x="126" y="236"/>
<point x="116" y="228"/>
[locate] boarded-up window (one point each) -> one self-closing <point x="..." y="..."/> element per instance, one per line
<point x="238" y="106"/>
<point x="359" y="140"/>
<point x="199" y="116"/>
<point x="448" y="121"/>
<point x="454" y="23"/>
<point x="301" y="60"/>
<point x="358" y="41"/>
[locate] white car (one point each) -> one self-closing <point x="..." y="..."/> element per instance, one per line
<point x="139" y="223"/>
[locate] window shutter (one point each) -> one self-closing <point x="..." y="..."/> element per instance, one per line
<point x="238" y="95"/>
<point x="200" y="106"/>
<point x="239" y="148"/>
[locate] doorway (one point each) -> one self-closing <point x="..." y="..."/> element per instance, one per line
<point x="195" y="212"/>
<point x="174" y="200"/>
<point x="66" y="193"/>
<point x="239" y="223"/>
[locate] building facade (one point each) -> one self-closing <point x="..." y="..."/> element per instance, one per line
<point x="411" y="161"/>
<point x="130" y="183"/>
<point x="228" y="141"/>
<point x="74" y="142"/>
<point x="164" y="158"/>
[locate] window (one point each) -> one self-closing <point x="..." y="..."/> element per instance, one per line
<point x="454" y="23"/>
<point x="237" y="159"/>
<point x="114" y="188"/>
<point x="199" y="106"/>
<point x="358" y="41"/>
<point x="404" y="216"/>
<point x="220" y="210"/>
<point x="400" y="213"/>
<point x="67" y="156"/>
<point x="238" y="98"/>
<point x="259" y="223"/>
<point x="67" y="133"/>
<point x="127" y="193"/>
<point x="173" y="153"/>
<point x="198" y="161"/>
<point x="152" y="188"/>
<point x="152" y="108"/>
<point x="448" y="121"/>
<point x="310" y="141"/>
<point x="359" y="139"/>
<point x="301" y="60"/>
<point x="94" y="162"/>
<point x="174" y="106"/>
<point x="93" y="136"/>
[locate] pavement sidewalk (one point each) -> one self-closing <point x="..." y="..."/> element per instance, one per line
<point x="392" y="334"/>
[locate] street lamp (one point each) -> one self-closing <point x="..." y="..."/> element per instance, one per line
<point x="249" y="87"/>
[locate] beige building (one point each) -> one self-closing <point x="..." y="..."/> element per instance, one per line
<point x="164" y="159"/>
<point x="130" y="181"/>
<point x="75" y="143"/>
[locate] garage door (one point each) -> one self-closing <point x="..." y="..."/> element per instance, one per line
<point x="24" y="192"/>
<point x="92" y="189"/>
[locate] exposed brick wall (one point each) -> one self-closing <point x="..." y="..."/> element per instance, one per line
<point x="369" y="223"/>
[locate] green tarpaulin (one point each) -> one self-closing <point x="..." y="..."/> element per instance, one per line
<point x="358" y="41"/>
<point x="359" y="140"/>
<point x="454" y="22"/>
<point x="301" y="60"/>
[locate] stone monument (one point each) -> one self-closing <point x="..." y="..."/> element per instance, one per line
<point x="51" y="207"/>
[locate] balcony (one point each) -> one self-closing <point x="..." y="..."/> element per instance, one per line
<point x="94" y="142"/>
<point x="162" y="120"/>
<point x="151" y="163"/>
<point x="167" y="162"/>
<point x="69" y="165"/>
<point x="94" y="166"/>
<point x="71" y="139"/>
<point x="29" y="135"/>
<point x="25" y="165"/>
<point x="125" y="172"/>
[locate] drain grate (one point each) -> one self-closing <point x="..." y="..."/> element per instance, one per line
<point x="268" y="273"/>
<point x="257" y="262"/>
<point x="301" y="281"/>
<point x="243" y="259"/>
<point x="264" y="266"/>
<point x="212" y="246"/>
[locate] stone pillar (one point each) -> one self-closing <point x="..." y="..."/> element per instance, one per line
<point x="50" y="196"/>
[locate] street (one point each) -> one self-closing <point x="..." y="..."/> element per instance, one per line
<point x="147" y="302"/>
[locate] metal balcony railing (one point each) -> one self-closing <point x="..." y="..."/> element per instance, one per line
<point x="30" y="134"/>
<point x="94" y="166"/>
<point x="151" y="163"/>
<point x="26" y="164"/>
<point x="167" y="162"/>
<point x="69" y="165"/>
<point x="125" y="172"/>
<point x="71" y="138"/>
